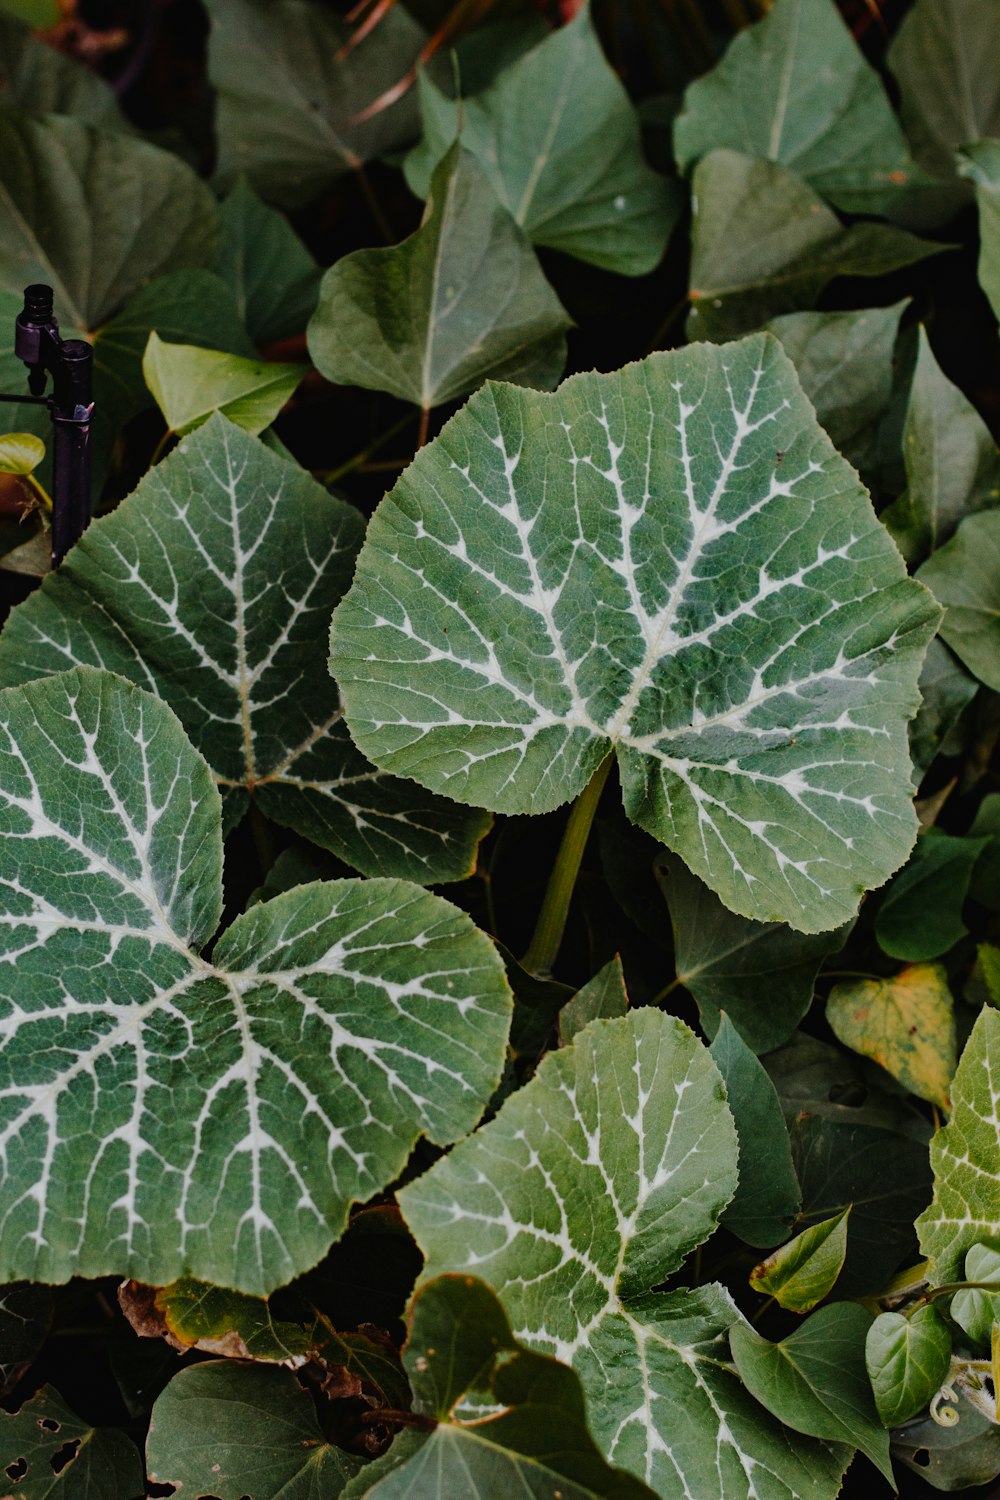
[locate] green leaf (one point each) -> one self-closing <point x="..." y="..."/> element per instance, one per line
<point x="964" y="575"/>
<point x="508" y="1420"/>
<point x="815" y="1380"/>
<point x="980" y="162"/>
<point x="584" y="1193"/>
<point x="976" y="1310"/>
<point x="942" y="57"/>
<point x="761" y="973"/>
<point x="762" y="243"/>
<point x="95" y="214"/>
<point x="20" y="452"/>
<point x="965" y="1209"/>
<point x="601" y="998"/>
<point x="189" y="384"/>
<point x="906" y="1024"/>
<point x="952" y="465"/>
<point x="230" y="1430"/>
<point x="463" y="298"/>
<point x="274" y="278"/>
<point x="946" y="689"/>
<point x="205" y="1119"/>
<point x="844" y="363"/>
<point x="989" y="960"/>
<point x="294" y="93"/>
<point x="985" y="884"/>
<point x="801" y="1273"/>
<point x="236" y="558"/>
<point x="559" y="140"/>
<point x="502" y="636"/>
<point x="767" y="1197"/>
<point x="921" y="915"/>
<point x="196" y="1315"/>
<point x="25" y="1316"/>
<point x="796" y="89"/>
<point x="951" y="1458"/>
<point x="908" y="1359"/>
<point x="40" y="80"/>
<point x="102" y="1463"/>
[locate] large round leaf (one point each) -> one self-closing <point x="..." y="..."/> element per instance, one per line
<point x="162" y="1115"/>
<point x="585" y="1193"/>
<point x="673" y="562"/>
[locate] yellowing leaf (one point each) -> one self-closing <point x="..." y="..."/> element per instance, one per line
<point x="906" y="1024"/>
<point x="800" y="1274"/>
<point x="189" y="384"/>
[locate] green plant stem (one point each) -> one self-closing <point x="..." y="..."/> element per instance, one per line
<point x="551" y="924"/>
<point x="959" y="1286"/>
<point x="160" y="448"/>
<point x="330" y="476"/>
<point x="39" y="491"/>
<point x="668" y="989"/>
<point x="374" y="206"/>
<point x="425" y="417"/>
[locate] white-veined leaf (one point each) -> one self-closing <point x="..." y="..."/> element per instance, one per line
<point x="162" y="1115"/>
<point x="584" y="1193"/>
<point x="212" y="586"/>
<point x="671" y="562"/>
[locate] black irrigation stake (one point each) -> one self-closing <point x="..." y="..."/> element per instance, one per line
<point x="70" y="362"/>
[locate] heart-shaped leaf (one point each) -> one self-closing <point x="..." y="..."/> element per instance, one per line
<point x="51" y="1454"/>
<point x="294" y="89"/>
<point x="95" y="214"/>
<point x="964" y="575"/>
<point x="671" y="562"/>
<point x="763" y="242"/>
<point x="802" y="1272"/>
<point x="584" y="1193"/>
<point x="167" y="1116"/>
<point x="507" y="1419"/>
<point x="462" y="298"/>
<point x="907" y="1360"/>
<point x="266" y="554"/>
<point x="906" y="1024"/>
<point x="273" y="277"/>
<point x="189" y="384"/>
<point x="559" y="140"/>
<point x="796" y="89"/>
<point x="975" y="1309"/>
<point x="965" y="1209"/>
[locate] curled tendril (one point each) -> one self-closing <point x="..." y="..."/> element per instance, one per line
<point x="944" y="1416"/>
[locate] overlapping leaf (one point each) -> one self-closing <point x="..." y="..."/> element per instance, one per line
<point x="964" y="575"/>
<point x="95" y="214"/>
<point x="943" y="59"/>
<point x="41" y="80"/>
<point x="212" y="585"/>
<point x="294" y="93"/>
<point x="980" y="162"/>
<point x="672" y="562"/>
<point x="907" y="1359"/>
<point x="921" y="915"/>
<point x="559" y="140"/>
<point x="965" y="1209"/>
<point x="163" y="1115"/>
<point x="462" y="298"/>
<point x="796" y="89"/>
<point x="54" y="1455"/>
<point x="189" y="384"/>
<point x="274" y="279"/>
<point x="584" y="1193"/>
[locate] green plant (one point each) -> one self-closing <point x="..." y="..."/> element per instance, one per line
<point x="316" y="1180"/>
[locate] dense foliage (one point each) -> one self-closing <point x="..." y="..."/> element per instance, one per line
<point x="483" y="1010"/>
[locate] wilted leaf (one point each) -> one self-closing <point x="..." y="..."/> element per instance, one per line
<point x="196" y="1315"/>
<point x="907" y="1358"/>
<point x="952" y="464"/>
<point x="921" y="914"/>
<point x="965" y="1209"/>
<point x="584" y="1193"/>
<point x="729" y="641"/>
<point x="796" y="89"/>
<point x="964" y="575"/>
<point x="801" y="1273"/>
<point x="273" y="277"/>
<point x="559" y="140"/>
<point x="292" y="99"/>
<point x="974" y="1309"/>
<point x="95" y="214"/>
<point x="235" y="1109"/>
<point x="463" y="298"/>
<point x="101" y="1463"/>
<point x="906" y="1024"/>
<point x="761" y="973"/>
<point x="232" y="1430"/>
<point x="767" y="1197"/>
<point x="601" y="998"/>
<point x="189" y="384"/>
<point x="815" y="1380"/>
<point x="241" y="557"/>
<point x="762" y="243"/>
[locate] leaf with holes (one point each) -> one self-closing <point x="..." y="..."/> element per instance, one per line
<point x="586" y="1192"/>
<point x="965" y="1208"/>
<point x="212" y="586"/>
<point x="671" y="562"/>
<point x="167" y="1116"/>
<point x="189" y="384"/>
<point x="49" y="1453"/>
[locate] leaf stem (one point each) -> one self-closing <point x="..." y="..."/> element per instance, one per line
<point x="425" y="417"/>
<point x="39" y="491"/>
<point x="160" y="448"/>
<point x="551" y="924"/>
<point x="668" y="989"/>
<point x="330" y="476"/>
